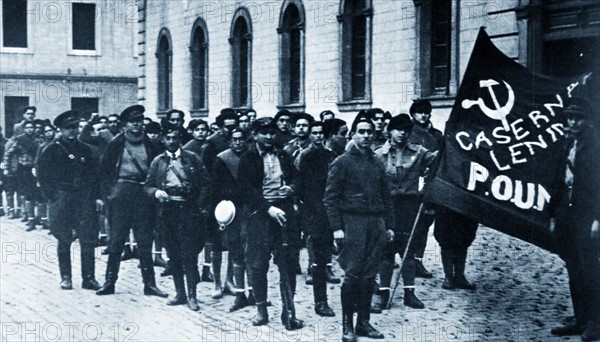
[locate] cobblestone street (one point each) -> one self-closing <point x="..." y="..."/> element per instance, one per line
<point x="522" y="292"/>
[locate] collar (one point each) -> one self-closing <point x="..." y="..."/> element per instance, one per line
<point x="262" y="152"/>
<point x="173" y="155"/>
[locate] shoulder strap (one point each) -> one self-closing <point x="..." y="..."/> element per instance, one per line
<point x="136" y="163"/>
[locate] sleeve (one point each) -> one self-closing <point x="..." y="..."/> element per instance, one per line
<point x="204" y="196"/>
<point x="46" y="172"/>
<point x="333" y="194"/>
<point x="151" y="185"/>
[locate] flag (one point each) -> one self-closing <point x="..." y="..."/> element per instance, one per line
<point x="504" y="155"/>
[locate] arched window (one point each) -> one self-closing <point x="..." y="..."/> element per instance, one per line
<point x="355" y="20"/>
<point x="241" y="59"/>
<point x="199" y="59"/>
<point x="164" y="55"/>
<point x="291" y="58"/>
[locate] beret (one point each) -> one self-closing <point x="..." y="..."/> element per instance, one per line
<point x="362" y="116"/>
<point x="153" y="127"/>
<point x="400" y="122"/>
<point x="132" y="113"/>
<point x="66" y="119"/>
<point x="169" y="128"/>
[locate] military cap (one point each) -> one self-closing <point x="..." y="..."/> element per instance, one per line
<point x="304" y="116"/>
<point x="262" y="124"/>
<point x="67" y="119"/>
<point x="401" y="122"/>
<point x="132" y="113"/>
<point x="362" y="116"/>
<point x="169" y="128"/>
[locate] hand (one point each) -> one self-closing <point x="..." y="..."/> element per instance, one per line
<point x="338" y="234"/>
<point x="595" y="229"/>
<point x="552" y="226"/>
<point x="389" y="235"/>
<point x="99" y="205"/>
<point x="278" y="215"/>
<point x="33" y="172"/>
<point x="285" y="190"/>
<point x="161" y="195"/>
<point x="5" y="172"/>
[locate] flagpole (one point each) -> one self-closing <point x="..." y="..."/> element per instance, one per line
<point x="410" y="238"/>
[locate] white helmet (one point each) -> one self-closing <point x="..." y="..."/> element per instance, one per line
<point x="225" y="212"/>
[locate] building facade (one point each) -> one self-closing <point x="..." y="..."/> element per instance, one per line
<point x="345" y="55"/>
<point x="61" y="55"/>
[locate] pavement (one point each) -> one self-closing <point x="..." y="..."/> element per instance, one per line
<point x="522" y="292"/>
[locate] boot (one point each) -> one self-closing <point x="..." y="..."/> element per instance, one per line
<point x="159" y="261"/>
<point x="251" y="300"/>
<point x="66" y="283"/>
<point x="207" y="276"/>
<point x="421" y="271"/>
<point x="11" y="213"/>
<point x="180" y="297"/>
<point x="347" y="293"/>
<point x="112" y="273"/>
<point x="240" y="300"/>
<point x="45" y="224"/>
<point x="192" y="303"/>
<point x="363" y="327"/>
<point x="569" y="329"/>
<point x="127" y="253"/>
<point x="288" y="312"/>
<point x="448" y="265"/>
<point x="377" y="303"/>
<point x="150" y="289"/>
<point x="411" y="300"/>
<point x="88" y="268"/>
<point x="64" y="264"/>
<point x="460" y="282"/>
<point x="17" y="214"/>
<point x="592" y="331"/>
<point x="331" y="278"/>
<point x="323" y="309"/>
<point x="90" y="284"/>
<point x="262" y="316"/>
<point x="30" y="225"/>
<point x="229" y="288"/>
<point x="168" y="271"/>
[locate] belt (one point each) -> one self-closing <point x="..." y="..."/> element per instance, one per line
<point x="131" y="181"/>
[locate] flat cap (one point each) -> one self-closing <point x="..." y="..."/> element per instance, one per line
<point x="67" y="119"/>
<point x="132" y="113"/>
<point x="262" y="124"/>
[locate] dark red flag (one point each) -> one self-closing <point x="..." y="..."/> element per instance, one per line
<point x="504" y="158"/>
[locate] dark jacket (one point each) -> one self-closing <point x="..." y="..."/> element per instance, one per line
<point x="225" y="184"/>
<point x="194" y="170"/>
<point x="252" y="174"/>
<point x="111" y="161"/>
<point x="430" y="138"/>
<point x="312" y="178"/>
<point x="585" y="197"/>
<point x="67" y="167"/>
<point x="357" y="184"/>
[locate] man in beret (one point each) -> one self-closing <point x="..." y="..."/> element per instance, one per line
<point x="179" y="183"/>
<point x="424" y="134"/>
<point x="312" y="178"/>
<point x="123" y="169"/>
<point x="358" y="203"/>
<point x="267" y="186"/>
<point x="576" y="224"/>
<point x="68" y="177"/>
<point x="405" y="164"/>
<point x="213" y="252"/>
<point x="226" y="187"/>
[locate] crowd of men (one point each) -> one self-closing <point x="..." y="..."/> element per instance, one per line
<point x="355" y="192"/>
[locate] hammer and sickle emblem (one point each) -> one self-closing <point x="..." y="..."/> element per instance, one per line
<point x="500" y="112"/>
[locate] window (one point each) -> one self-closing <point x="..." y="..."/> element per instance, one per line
<point x="14" y="23"/>
<point x="13" y="112"/>
<point x="85" y="105"/>
<point x="164" y="65"/>
<point x="291" y="42"/>
<point x="241" y="58"/>
<point x="355" y="21"/>
<point x="199" y="56"/>
<point x="84" y="26"/>
<point x="436" y="34"/>
<point x="440" y="46"/>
